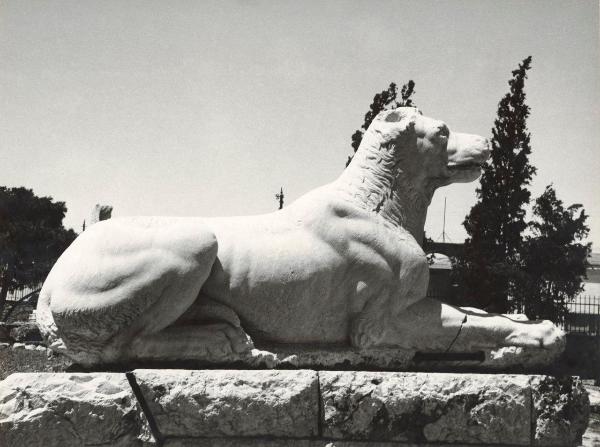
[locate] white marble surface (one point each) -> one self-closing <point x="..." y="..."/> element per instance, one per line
<point x="341" y="265"/>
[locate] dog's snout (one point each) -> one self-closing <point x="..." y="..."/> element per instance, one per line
<point x="467" y="148"/>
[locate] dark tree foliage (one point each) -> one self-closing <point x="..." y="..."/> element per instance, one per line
<point x="553" y="258"/>
<point x="496" y="223"/>
<point x="32" y="237"/>
<point x="387" y="99"/>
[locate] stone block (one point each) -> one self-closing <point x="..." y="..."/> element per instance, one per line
<point x="222" y="403"/>
<point x="426" y="407"/>
<point x="561" y="410"/>
<point x="63" y="409"/>
<point x="300" y="408"/>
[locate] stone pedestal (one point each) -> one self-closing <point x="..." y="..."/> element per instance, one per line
<point x="178" y="408"/>
<point x="62" y="409"/>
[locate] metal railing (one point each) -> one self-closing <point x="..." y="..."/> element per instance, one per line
<point x="26" y="297"/>
<point x="583" y="316"/>
<point x="18" y="295"/>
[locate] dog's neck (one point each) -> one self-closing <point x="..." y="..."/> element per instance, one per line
<point x="374" y="181"/>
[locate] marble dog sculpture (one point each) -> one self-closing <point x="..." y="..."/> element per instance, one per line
<point x="341" y="265"/>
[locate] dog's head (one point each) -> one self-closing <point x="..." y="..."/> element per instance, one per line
<point x="426" y="151"/>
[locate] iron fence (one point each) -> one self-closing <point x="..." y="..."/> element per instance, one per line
<point x="583" y="316"/>
<point x="18" y="295"/>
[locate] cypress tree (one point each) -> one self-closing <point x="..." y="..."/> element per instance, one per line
<point x="496" y="222"/>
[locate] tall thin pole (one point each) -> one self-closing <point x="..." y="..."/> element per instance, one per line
<point x="444" y="224"/>
<point x="280" y="197"/>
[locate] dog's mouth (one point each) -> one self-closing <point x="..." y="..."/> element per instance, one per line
<point x="465" y="171"/>
<point x="467" y="155"/>
<point x="466" y="166"/>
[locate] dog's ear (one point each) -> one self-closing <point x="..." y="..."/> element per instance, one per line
<point x="394" y="116"/>
<point x="399" y="122"/>
<point x="394" y="125"/>
<point x="399" y="114"/>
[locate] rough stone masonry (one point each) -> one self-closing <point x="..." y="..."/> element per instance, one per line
<point x="283" y="407"/>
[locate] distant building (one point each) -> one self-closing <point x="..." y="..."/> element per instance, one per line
<point x="440" y="286"/>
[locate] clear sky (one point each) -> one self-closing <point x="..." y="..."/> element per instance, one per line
<point x="209" y="107"/>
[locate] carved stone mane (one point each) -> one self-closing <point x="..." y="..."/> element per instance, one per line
<point x="374" y="180"/>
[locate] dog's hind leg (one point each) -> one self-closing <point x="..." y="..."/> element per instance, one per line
<point x="207" y="333"/>
<point x="208" y="312"/>
<point x="122" y="281"/>
<point x="211" y="343"/>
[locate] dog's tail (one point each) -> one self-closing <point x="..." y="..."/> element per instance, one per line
<point x="55" y="340"/>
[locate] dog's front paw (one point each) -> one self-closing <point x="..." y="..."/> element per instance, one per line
<point x="365" y="333"/>
<point x="538" y="334"/>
